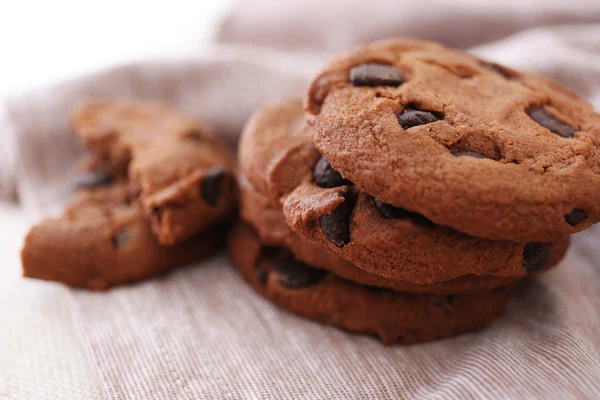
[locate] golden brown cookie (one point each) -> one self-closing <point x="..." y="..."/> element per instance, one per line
<point x="280" y="162"/>
<point x="269" y="225"/>
<point x="180" y="170"/>
<point x="471" y="145"/>
<point x="103" y="240"/>
<point x="394" y="317"/>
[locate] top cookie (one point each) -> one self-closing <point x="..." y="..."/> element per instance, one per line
<point x="179" y="169"/>
<point x="471" y="145"/>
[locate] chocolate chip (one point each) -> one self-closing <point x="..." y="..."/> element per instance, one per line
<point x="375" y="75"/>
<point x="388" y="211"/>
<point x="121" y="238"/>
<point x="500" y="69"/>
<point x="336" y="226"/>
<point x="211" y="185"/>
<point x="549" y="121"/>
<point x="468" y="154"/>
<point x="327" y="177"/>
<point x="295" y="274"/>
<point x="412" y="117"/>
<point x="262" y="275"/>
<point x="576" y="217"/>
<point x="92" y="179"/>
<point x="535" y="256"/>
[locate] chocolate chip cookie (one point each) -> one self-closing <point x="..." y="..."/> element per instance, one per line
<point x="103" y="240"/>
<point x="394" y="317"/>
<point x="179" y="169"/>
<point x="278" y="158"/>
<point x="465" y="143"/>
<point x="270" y="227"/>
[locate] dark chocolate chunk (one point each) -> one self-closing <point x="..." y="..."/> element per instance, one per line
<point x="375" y="75"/>
<point x="211" y="185"/>
<point x="327" y="177"/>
<point x="92" y="179"/>
<point x="536" y="256"/>
<point x="412" y="117"/>
<point x="295" y="274"/>
<point x="576" y="217"/>
<point x="262" y="275"/>
<point x="121" y="238"/>
<point x="388" y="211"/>
<point x="336" y="226"/>
<point x="550" y="122"/>
<point x="468" y="154"/>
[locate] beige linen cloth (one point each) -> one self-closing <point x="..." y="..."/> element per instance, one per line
<point x="200" y="332"/>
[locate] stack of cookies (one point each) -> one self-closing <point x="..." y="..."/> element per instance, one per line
<point x="413" y="190"/>
<point x="157" y="191"/>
